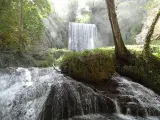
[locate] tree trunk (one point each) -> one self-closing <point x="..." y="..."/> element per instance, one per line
<point x="147" y="50"/>
<point x="120" y="49"/>
<point x="21" y="16"/>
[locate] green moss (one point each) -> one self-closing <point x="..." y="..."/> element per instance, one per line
<point x="94" y="66"/>
<point x="47" y="62"/>
<point x="146" y="72"/>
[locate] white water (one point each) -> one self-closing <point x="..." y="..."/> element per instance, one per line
<point x="111" y="117"/>
<point x="146" y="97"/>
<point x="118" y="109"/>
<point x="82" y="36"/>
<point x="23" y="94"/>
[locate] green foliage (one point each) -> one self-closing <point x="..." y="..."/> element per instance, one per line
<point x="33" y="25"/>
<point x="84" y="19"/>
<point x="156" y="51"/>
<point x="151" y="4"/>
<point x="50" y="57"/>
<point x="43" y="7"/>
<point x="47" y="62"/>
<point x="12" y="59"/>
<point x="145" y="72"/>
<point x="8" y="25"/>
<point x="93" y="66"/>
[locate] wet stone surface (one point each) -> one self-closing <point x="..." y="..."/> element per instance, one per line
<point x="44" y="94"/>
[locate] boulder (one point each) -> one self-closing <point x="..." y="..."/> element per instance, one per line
<point x="93" y="66"/>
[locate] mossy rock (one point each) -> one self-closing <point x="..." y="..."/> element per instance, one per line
<point x="91" y="66"/>
<point x="144" y="72"/>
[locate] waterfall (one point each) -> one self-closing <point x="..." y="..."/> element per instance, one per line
<point x="117" y="107"/>
<point x="82" y="36"/>
<point x="45" y="94"/>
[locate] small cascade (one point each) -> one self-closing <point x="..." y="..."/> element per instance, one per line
<point x="117" y="107"/>
<point x="137" y="96"/>
<point x="44" y="94"/>
<point x="72" y="98"/>
<point x="82" y="36"/>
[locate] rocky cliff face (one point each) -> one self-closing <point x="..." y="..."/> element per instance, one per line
<point x="140" y="39"/>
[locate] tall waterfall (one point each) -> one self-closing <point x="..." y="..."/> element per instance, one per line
<point x="44" y="94"/>
<point x="82" y="36"/>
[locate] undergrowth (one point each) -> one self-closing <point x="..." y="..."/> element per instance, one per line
<point x="145" y="71"/>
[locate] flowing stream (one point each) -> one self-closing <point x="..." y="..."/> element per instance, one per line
<point x="45" y="94"/>
<point x="82" y="36"/>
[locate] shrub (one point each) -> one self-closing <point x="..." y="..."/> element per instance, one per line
<point x="145" y="72"/>
<point x="50" y="57"/>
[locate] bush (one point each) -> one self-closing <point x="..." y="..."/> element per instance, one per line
<point x="49" y="57"/>
<point x="145" y="72"/>
<point x="47" y="62"/>
<point x="90" y="66"/>
<point x="13" y="59"/>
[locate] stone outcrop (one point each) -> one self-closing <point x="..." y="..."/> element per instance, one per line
<point x="140" y="39"/>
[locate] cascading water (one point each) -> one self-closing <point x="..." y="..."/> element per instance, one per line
<point x="44" y="94"/>
<point x="82" y="36"/>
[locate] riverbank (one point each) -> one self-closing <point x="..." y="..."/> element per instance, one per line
<point x="80" y="66"/>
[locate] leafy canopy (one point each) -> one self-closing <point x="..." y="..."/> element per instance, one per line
<point x="33" y="12"/>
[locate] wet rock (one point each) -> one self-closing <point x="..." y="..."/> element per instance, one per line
<point x="133" y="109"/>
<point x="49" y="95"/>
<point x="70" y="99"/>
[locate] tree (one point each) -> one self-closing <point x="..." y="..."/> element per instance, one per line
<point x="72" y="14"/>
<point x="9" y="23"/>
<point x="147" y="50"/>
<point x="21" y="23"/>
<point x="21" y="19"/>
<point x="120" y="49"/>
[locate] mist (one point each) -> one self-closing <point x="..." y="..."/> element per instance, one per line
<point x="130" y="13"/>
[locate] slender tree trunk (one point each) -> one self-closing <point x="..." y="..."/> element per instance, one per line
<point x="147" y="50"/>
<point x="120" y="49"/>
<point x="21" y="16"/>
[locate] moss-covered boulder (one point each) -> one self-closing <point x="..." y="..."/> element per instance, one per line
<point x="89" y="66"/>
